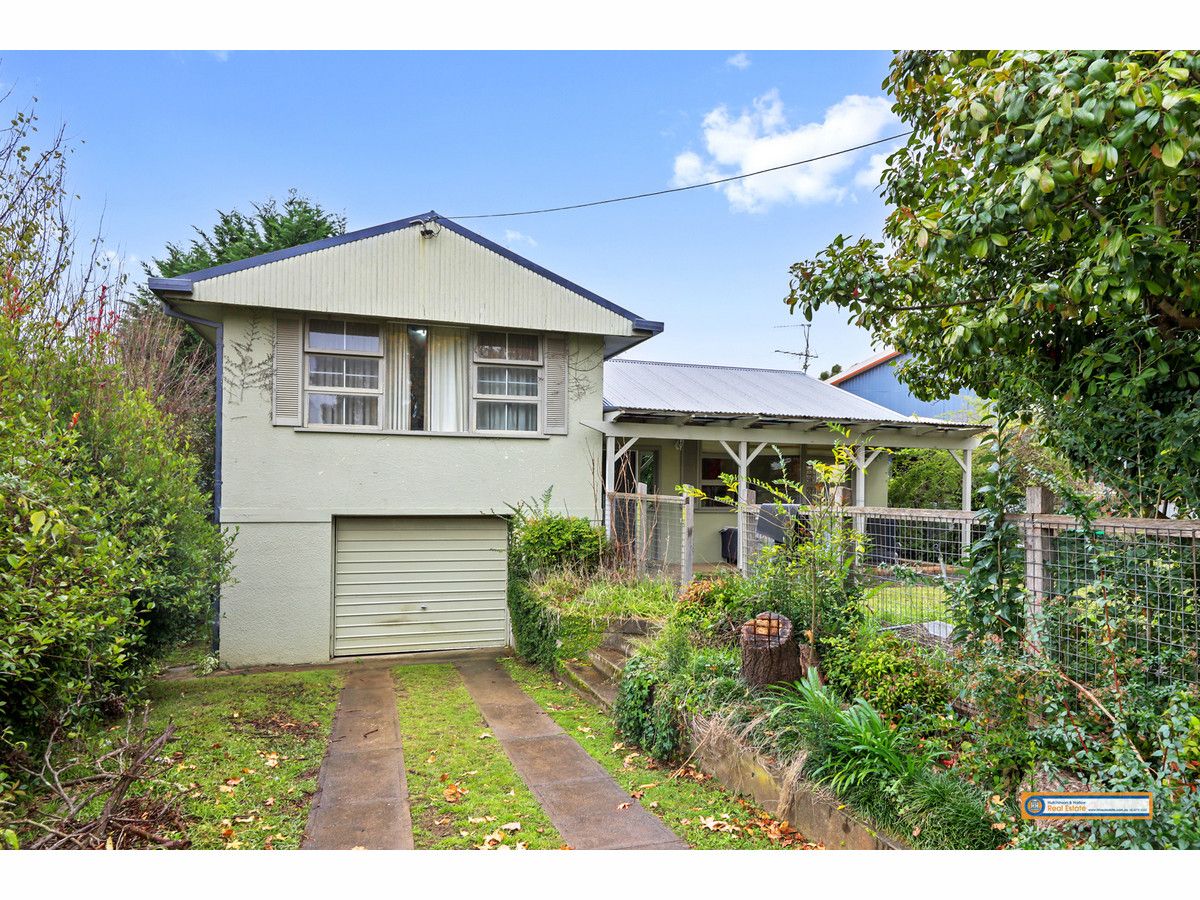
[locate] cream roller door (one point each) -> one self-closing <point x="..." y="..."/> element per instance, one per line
<point x="405" y="584"/>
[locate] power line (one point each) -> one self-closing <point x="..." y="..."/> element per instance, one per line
<point x="689" y="187"/>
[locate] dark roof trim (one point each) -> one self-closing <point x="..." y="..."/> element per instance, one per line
<point x="931" y="424"/>
<point x="183" y="284"/>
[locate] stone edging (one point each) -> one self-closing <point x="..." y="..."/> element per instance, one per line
<point x="809" y="811"/>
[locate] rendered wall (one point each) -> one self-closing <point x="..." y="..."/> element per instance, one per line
<point x="282" y="488"/>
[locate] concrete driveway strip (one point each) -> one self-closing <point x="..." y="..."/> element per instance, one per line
<point x="362" y="794"/>
<point x="589" y="809"/>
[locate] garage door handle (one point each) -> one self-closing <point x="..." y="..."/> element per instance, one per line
<point x="423" y="606"/>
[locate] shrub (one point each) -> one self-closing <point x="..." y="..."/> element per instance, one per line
<point x="886" y="670"/>
<point x="535" y="626"/>
<point x="643" y="710"/>
<point x="543" y="540"/>
<point x="715" y="607"/>
<point x="106" y="552"/>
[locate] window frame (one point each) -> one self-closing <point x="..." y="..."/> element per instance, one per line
<point x="705" y="485"/>
<point x="478" y="362"/>
<point x="380" y="392"/>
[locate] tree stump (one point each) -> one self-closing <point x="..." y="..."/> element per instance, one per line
<point x="769" y="651"/>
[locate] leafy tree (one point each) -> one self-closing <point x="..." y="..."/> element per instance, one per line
<point x="835" y="369"/>
<point x="1042" y="250"/>
<point x="237" y="235"/>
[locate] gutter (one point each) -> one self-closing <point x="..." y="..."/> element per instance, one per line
<point x="219" y="328"/>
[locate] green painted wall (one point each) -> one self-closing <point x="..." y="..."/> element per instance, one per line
<point x="283" y="487"/>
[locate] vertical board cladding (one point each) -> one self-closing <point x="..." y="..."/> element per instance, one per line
<point x="286" y="369"/>
<point x="556" y="385"/>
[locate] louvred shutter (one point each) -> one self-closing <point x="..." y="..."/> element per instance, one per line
<point x="286" y="393"/>
<point x="556" y="385"/>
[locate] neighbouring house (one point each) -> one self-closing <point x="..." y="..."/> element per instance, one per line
<point x="386" y="396"/>
<point x="878" y="379"/>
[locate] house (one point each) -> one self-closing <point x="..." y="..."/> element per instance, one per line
<point x="878" y="379"/>
<point x="685" y="423"/>
<point x="386" y="396"/>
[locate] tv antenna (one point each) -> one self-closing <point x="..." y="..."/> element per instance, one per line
<point x="805" y="356"/>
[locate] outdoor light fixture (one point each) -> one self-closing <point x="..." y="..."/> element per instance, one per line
<point x="430" y="229"/>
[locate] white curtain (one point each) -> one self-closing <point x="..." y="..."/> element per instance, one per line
<point x="449" y="371"/>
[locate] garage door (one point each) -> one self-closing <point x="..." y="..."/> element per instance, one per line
<point x="407" y="584"/>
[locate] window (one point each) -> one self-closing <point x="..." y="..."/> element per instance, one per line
<point x="506" y="385"/>
<point x="711" y="469"/>
<point x="343" y="380"/>
<point x="418" y="368"/>
<point x="764" y="468"/>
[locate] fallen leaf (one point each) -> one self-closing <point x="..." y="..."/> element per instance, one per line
<point x="916" y="832"/>
<point x="511" y="826"/>
<point x="484" y="736"/>
<point x="454" y="792"/>
<point x="623" y="806"/>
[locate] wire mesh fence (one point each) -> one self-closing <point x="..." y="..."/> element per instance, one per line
<point x="1088" y="587"/>
<point x="1130" y="584"/>
<point x="650" y="534"/>
<point x="911" y="560"/>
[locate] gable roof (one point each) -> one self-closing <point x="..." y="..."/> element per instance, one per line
<point x="634" y="385"/>
<point x="865" y="366"/>
<point x="188" y="286"/>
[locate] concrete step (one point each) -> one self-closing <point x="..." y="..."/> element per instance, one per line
<point x="608" y="663"/>
<point x="625" y="644"/>
<point x="591" y="684"/>
<point x="634" y="626"/>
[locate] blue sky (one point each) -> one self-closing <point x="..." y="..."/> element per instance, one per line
<point x="170" y="137"/>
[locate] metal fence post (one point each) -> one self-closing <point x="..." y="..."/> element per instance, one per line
<point x="1039" y="501"/>
<point x="688" y="551"/>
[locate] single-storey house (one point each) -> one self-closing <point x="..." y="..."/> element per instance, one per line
<point x="878" y="379"/>
<point x="386" y="396"/>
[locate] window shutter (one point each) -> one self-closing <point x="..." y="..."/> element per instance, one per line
<point x="286" y="394"/>
<point x="556" y="385"/>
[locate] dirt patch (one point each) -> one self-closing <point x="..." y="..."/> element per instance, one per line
<point x="276" y="724"/>
<point x="435" y="824"/>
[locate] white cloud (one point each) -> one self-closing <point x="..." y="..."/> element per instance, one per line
<point x="738" y="61"/>
<point x="761" y="137"/>
<point x="868" y="176"/>
<point x="512" y="238"/>
<point x="219" y="55"/>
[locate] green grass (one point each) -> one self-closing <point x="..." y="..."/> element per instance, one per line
<point x="446" y="750"/>
<point x="693" y="806"/>
<point x="247" y="752"/>
<point x="605" y="597"/>
<point x="893" y="603"/>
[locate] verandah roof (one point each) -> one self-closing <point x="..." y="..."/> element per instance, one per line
<point x="698" y="402"/>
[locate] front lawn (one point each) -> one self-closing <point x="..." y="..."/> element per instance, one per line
<point x="246" y="753"/>
<point x="463" y="790"/>
<point x="894" y="603"/>
<point x="690" y="803"/>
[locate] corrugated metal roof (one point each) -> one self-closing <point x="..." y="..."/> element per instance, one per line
<point x="631" y="385"/>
